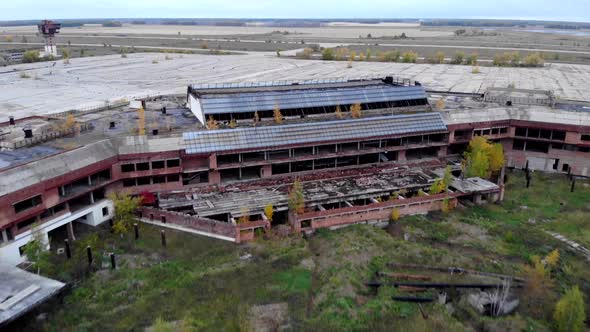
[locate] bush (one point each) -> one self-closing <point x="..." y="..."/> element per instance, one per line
<point x="305" y="54"/>
<point x="328" y="54"/>
<point x="534" y="60"/>
<point x="31" y="56"/>
<point x="570" y="313"/>
<point x="458" y="59"/>
<point x="410" y="57"/>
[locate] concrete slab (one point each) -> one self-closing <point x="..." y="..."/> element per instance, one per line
<point x="21" y="291"/>
<point x="88" y="82"/>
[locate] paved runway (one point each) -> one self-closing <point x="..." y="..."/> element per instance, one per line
<point x="93" y="80"/>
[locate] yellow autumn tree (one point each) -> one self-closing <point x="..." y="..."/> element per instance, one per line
<point x="552" y="258"/>
<point x="233" y="123"/>
<point x="439" y="57"/>
<point x="355" y="111"/>
<point x="483" y="158"/>
<point x="70" y="122"/>
<point x="395" y="214"/>
<point x="440" y="104"/>
<point x="277" y="114"/>
<point x="537" y="288"/>
<point x="212" y="123"/>
<point x="296" y="198"/>
<point x="245" y="216"/>
<point x="437" y="187"/>
<point x="141" y="121"/>
<point x="338" y="112"/>
<point x="269" y="211"/>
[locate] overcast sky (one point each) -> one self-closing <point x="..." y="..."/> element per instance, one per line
<point x="563" y="10"/>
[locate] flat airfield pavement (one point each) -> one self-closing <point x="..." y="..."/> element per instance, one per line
<point x="86" y="82"/>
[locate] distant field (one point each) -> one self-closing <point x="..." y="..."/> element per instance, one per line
<point x="341" y="31"/>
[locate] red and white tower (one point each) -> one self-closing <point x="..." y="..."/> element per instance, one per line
<point x="48" y="29"/>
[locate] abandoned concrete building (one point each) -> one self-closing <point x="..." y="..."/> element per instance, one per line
<point x="353" y="168"/>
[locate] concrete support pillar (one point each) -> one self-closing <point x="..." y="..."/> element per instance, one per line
<point x="71" y="235"/>
<point x="89" y="180"/>
<point x="62" y="190"/>
<point x="501" y="184"/>
<point x="451" y="136"/>
<point x="91" y="198"/>
<point x="313" y="164"/>
<point x="4" y="236"/>
<point x="214" y="177"/>
<point x="401" y="155"/>
<point x="477" y="199"/>
<point x="213" y="161"/>
<point x="266" y="171"/>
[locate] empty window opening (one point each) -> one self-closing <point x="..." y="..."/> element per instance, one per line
<point x="125" y="168"/>
<point x="27" y="204"/>
<point x="143" y="166"/>
<point x="158" y="164"/>
<point x="173" y="163"/>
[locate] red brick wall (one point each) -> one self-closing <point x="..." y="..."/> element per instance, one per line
<point x="200" y="224"/>
<point x="374" y="212"/>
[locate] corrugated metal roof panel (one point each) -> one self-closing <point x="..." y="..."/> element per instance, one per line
<point x="290" y="99"/>
<point x="317" y="132"/>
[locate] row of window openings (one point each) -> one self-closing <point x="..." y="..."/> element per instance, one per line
<point x="148" y="180"/>
<point x="558" y="135"/>
<point x="490" y="131"/>
<point x="83" y="183"/>
<point x="145" y="166"/>
<point x="544" y="147"/>
<point x="324" y="149"/>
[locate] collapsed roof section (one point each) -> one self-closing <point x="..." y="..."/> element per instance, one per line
<point x="314" y="132"/>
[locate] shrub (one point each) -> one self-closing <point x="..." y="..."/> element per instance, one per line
<point x="328" y="54"/>
<point x="31" y="56"/>
<point x="458" y="59"/>
<point x="305" y="54"/>
<point x="410" y="57"/>
<point x="569" y="312"/>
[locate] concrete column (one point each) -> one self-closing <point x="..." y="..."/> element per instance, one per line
<point x="401" y="155"/>
<point x="4" y="236"/>
<point x="213" y="161"/>
<point x="214" y="177"/>
<point x="71" y="235"/>
<point x="62" y="190"/>
<point x="91" y="197"/>
<point x="89" y="180"/>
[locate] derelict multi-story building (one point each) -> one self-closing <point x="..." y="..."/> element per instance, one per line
<point x="352" y="169"/>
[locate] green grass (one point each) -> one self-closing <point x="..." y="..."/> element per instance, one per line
<point x="204" y="285"/>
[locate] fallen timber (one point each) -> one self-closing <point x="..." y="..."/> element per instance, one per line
<point x="377" y="284"/>
<point x="454" y="270"/>
<point x="413" y="299"/>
